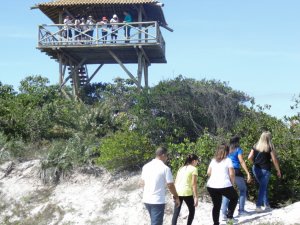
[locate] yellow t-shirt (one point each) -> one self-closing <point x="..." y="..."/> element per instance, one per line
<point x="183" y="181"/>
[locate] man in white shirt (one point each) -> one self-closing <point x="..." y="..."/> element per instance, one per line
<point x="91" y="25"/>
<point x="68" y="27"/>
<point x="156" y="176"/>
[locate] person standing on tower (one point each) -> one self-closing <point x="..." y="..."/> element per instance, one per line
<point x="68" y="28"/>
<point x="127" y="19"/>
<point x="114" y="28"/>
<point x="104" y="29"/>
<point x="91" y="25"/>
<point x="84" y="29"/>
<point x="77" y="29"/>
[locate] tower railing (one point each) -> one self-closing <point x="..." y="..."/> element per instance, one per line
<point x="84" y="35"/>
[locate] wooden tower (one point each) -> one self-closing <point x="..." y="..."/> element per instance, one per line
<point x="75" y="48"/>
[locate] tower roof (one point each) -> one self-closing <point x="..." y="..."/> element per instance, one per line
<point x="84" y="2"/>
<point x="99" y="8"/>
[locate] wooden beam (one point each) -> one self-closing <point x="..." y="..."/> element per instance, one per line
<point x="64" y="70"/>
<point x="146" y="65"/>
<point x="60" y="17"/>
<point x="61" y="75"/>
<point x="123" y="67"/>
<point x="68" y="12"/>
<point x="65" y="81"/>
<point x="65" y="94"/>
<point x="74" y="61"/>
<point x="144" y="13"/>
<point x="145" y="55"/>
<point x="140" y="19"/>
<point x="94" y="74"/>
<point x="140" y="69"/>
<point x="81" y="62"/>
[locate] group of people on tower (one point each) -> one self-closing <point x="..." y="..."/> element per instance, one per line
<point x="84" y="28"/>
<point x="224" y="172"/>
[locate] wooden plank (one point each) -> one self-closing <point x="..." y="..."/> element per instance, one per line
<point x="123" y="67"/>
<point x="94" y="74"/>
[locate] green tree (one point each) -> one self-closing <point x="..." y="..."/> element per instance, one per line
<point x="183" y="108"/>
<point x="125" y="150"/>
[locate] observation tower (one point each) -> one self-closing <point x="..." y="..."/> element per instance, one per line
<point x="76" y="48"/>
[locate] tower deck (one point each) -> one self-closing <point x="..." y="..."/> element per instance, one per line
<point x="81" y="46"/>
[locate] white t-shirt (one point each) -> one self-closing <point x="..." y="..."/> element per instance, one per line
<point x="219" y="177"/>
<point x="90" y="23"/>
<point x="156" y="175"/>
<point x="67" y="23"/>
<point x="114" y="26"/>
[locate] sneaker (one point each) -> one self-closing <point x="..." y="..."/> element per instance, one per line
<point x="231" y="221"/>
<point x="223" y="217"/>
<point x="268" y="208"/>
<point x="243" y="213"/>
<point x="259" y="209"/>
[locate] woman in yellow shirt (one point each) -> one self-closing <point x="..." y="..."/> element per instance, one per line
<point x="186" y="186"/>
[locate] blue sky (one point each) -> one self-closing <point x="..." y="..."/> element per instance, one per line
<point x="253" y="45"/>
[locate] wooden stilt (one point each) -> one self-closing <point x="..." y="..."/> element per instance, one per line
<point x="123" y="67"/>
<point x="94" y="74"/>
<point x="146" y="65"/>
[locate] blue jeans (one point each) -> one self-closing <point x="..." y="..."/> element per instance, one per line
<point x="262" y="176"/>
<point x="241" y="184"/>
<point x="156" y="212"/>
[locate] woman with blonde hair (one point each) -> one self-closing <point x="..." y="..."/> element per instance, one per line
<point x="261" y="155"/>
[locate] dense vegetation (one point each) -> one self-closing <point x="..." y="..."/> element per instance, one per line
<point x="119" y="127"/>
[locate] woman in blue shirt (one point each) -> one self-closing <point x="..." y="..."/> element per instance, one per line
<point x="127" y="19"/>
<point x="236" y="156"/>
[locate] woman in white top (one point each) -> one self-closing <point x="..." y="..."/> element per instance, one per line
<point x="68" y="27"/>
<point x="77" y="28"/>
<point x="84" y="29"/>
<point x="220" y="183"/>
<point x="114" y="28"/>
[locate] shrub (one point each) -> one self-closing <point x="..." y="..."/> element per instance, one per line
<point x="125" y="150"/>
<point x="64" y="155"/>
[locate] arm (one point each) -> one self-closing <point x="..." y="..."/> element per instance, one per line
<point x="231" y="175"/>
<point x="195" y="191"/>
<point x="243" y="164"/>
<point x="276" y="163"/>
<point x="251" y="156"/>
<point x="209" y="171"/>
<point x="173" y="191"/>
<point x="142" y="183"/>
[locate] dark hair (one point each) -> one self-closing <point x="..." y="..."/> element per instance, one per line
<point x="161" y="151"/>
<point x="234" y="142"/>
<point x="221" y="152"/>
<point x="190" y="158"/>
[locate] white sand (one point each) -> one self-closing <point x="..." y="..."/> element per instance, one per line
<point x="108" y="200"/>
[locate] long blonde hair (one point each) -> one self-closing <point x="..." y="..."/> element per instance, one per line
<point x="264" y="143"/>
